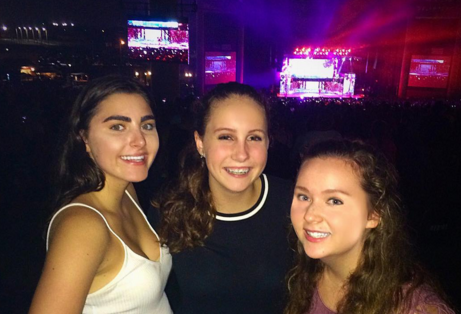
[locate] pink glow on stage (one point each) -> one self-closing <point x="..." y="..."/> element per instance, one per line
<point x="314" y="52"/>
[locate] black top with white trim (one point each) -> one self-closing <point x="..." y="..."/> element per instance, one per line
<point x="242" y="267"/>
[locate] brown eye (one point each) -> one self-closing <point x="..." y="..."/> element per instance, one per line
<point x="302" y="197"/>
<point x="149" y="126"/>
<point x="255" y="138"/>
<point x="117" y="127"/>
<point x="335" y="201"/>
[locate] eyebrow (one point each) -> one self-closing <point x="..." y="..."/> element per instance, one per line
<point x="329" y="191"/>
<point x="148" y="117"/>
<point x="336" y="191"/>
<point x="301" y="188"/>
<point x="128" y="119"/>
<point x="120" y="118"/>
<point x="233" y="130"/>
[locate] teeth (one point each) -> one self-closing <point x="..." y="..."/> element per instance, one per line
<point x="237" y="171"/>
<point x="135" y="158"/>
<point x="318" y="235"/>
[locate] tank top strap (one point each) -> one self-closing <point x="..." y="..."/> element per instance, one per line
<point x="86" y="206"/>
<point x="142" y="213"/>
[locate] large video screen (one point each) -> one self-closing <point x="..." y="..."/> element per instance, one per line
<point x="312" y="69"/>
<point x="158" y="41"/>
<point x="220" y="67"/>
<point x="429" y="71"/>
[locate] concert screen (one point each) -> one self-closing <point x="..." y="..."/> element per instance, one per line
<point x="429" y="71"/>
<point x="158" y="41"/>
<point x="220" y="67"/>
<point x="312" y="69"/>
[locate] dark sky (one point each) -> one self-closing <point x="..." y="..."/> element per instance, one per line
<point x="88" y="12"/>
<point x="345" y="21"/>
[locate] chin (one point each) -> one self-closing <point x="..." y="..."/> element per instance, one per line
<point x="314" y="254"/>
<point x="138" y="179"/>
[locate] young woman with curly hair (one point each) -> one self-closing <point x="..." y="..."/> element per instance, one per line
<point x="353" y="255"/>
<point x="225" y="222"/>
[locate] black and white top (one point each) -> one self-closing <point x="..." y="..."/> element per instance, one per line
<point x="242" y="267"/>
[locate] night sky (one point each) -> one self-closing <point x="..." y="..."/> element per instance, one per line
<point x="344" y="22"/>
<point x="87" y="12"/>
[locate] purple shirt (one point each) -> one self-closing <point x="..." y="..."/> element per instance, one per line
<point x="424" y="301"/>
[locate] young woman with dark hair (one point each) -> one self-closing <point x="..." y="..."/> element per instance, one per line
<point x="102" y="254"/>
<point x="353" y="254"/>
<point x="224" y="221"/>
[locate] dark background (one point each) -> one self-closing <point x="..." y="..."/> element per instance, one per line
<point x="422" y="135"/>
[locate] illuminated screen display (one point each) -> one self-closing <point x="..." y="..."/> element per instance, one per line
<point x="311" y="69"/>
<point x="158" y="41"/>
<point x="429" y="71"/>
<point x="220" y="67"/>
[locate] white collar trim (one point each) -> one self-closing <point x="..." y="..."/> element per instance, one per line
<point x="254" y="211"/>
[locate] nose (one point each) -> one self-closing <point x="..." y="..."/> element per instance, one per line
<point x="312" y="214"/>
<point x="240" y="152"/>
<point x="137" y="138"/>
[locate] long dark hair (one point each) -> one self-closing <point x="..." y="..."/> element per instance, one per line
<point x="76" y="173"/>
<point x="386" y="275"/>
<point x="187" y="208"/>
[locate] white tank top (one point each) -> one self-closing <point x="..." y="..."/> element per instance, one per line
<point x="138" y="287"/>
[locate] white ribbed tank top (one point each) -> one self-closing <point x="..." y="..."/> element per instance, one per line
<point x="139" y="286"/>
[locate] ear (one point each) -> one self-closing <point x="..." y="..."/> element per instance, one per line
<point x="373" y="220"/>
<point x="198" y="143"/>
<point x="85" y="140"/>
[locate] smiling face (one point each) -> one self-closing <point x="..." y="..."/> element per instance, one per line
<point x="122" y="138"/>
<point x="235" y="144"/>
<point x="330" y="211"/>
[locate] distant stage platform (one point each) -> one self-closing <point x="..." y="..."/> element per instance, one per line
<point x="319" y="95"/>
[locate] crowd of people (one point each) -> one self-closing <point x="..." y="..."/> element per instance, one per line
<point x="233" y="167"/>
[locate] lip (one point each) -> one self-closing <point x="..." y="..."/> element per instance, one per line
<point x="315" y="240"/>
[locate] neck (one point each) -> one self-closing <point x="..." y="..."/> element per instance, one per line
<point x="332" y="288"/>
<point x="336" y="276"/>
<point x="110" y="197"/>
<point x="233" y="203"/>
<point x="332" y="285"/>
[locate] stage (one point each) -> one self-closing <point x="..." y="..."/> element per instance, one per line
<point x="319" y="95"/>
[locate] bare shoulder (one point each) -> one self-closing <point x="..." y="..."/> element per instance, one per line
<point x="80" y="226"/>
<point x="79" y="240"/>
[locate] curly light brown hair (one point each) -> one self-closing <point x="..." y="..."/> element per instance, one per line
<point x="186" y="206"/>
<point x="386" y="275"/>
